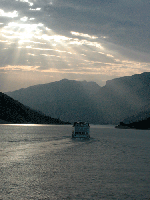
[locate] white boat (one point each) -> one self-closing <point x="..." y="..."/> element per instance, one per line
<point x="81" y="130"/>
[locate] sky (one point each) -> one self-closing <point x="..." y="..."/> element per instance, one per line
<point x="43" y="41"/>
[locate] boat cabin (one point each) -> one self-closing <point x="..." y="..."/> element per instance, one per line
<point x="81" y="130"/>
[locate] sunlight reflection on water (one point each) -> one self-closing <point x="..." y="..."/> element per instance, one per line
<point x="43" y="162"/>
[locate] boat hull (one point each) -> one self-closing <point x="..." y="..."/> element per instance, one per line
<point x="80" y="136"/>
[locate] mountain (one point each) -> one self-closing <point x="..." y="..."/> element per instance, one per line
<point x="3" y="122"/>
<point x="123" y="97"/>
<point x="140" y="120"/>
<point x="142" y="124"/>
<point x="66" y="99"/>
<point x="72" y="100"/>
<point x="143" y="114"/>
<point x="11" y="111"/>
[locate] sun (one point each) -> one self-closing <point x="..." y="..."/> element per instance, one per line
<point x="21" y="31"/>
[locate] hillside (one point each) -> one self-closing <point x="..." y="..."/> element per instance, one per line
<point x="123" y="97"/>
<point x="140" y="120"/>
<point x="65" y="99"/>
<point x="14" y="112"/>
<point x="86" y="101"/>
<point x="143" y="114"/>
<point x="141" y="124"/>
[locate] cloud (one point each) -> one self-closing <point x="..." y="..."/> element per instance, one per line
<point x="86" y="39"/>
<point x="83" y="35"/>
<point x="8" y="14"/>
<point x="26" y="1"/>
<point x="123" y="22"/>
<point x="23" y="68"/>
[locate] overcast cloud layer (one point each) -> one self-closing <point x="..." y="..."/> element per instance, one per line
<point x="95" y="40"/>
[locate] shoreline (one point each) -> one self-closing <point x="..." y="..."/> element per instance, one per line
<point x="127" y="127"/>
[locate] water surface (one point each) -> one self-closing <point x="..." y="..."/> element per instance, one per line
<point x="43" y="162"/>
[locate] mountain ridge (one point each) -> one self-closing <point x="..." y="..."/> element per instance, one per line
<point x="87" y="101"/>
<point x="12" y="111"/>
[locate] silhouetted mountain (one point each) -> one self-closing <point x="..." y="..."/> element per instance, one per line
<point x="143" y="114"/>
<point x="86" y="101"/>
<point x="3" y="122"/>
<point x="143" y="124"/>
<point x="15" y="112"/>
<point x="65" y="99"/>
<point x="139" y="120"/>
<point x="122" y="97"/>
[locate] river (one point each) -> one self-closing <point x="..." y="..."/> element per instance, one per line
<point x="44" y="162"/>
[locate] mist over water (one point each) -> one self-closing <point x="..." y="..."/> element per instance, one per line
<point x="43" y="162"/>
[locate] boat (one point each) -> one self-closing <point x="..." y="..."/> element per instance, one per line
<point x="81" y="130"/>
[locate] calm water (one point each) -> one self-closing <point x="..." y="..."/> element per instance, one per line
<point x="43" y="162"/>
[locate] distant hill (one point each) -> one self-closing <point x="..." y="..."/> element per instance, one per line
<point x="143" y="114"/>
<point x="143" y="124"/>
<point x="123" y="97"/>
<point x="140" y="120"/>
<point x="11" y="111"/>
<point x="68" y="100"/>
<point x="3" y="122"/>
<point x="72" y="100"/>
